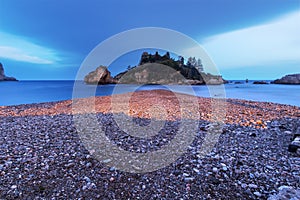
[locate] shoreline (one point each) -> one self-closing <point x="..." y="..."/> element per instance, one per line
<point x="42" y="155"/>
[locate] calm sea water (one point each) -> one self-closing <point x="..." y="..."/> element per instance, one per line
<point x="24" y="92"/>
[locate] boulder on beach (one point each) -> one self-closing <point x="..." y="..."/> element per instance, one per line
<point x="3" y="77"/>
<point x="100" y="76"/>
<point x="288" y="79"/>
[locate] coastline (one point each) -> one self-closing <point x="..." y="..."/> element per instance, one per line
<point x="42" y="155"/>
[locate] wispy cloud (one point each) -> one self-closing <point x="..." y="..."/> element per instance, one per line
<point x="276" y="42"/>
<point x="19" y="55"/>
<point x="22" y="49"/>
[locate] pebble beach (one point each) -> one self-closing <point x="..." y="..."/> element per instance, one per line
<point x="42" y="156"/>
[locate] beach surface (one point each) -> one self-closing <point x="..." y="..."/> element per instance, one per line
<point x="42" y="155"/>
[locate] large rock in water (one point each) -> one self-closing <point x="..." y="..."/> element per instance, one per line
<point x="100" y="76"/>
<point x="288" y="79"/>
<point x="3" y="77"/>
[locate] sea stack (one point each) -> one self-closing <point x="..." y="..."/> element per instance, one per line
<point x="3" y="77"/>
<point x="100" y="76"/>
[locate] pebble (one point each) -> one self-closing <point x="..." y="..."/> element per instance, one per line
<point x="257" y="194"/>
<point x="112" y="169"/>
<point x="13" y="187"/>
<point x="87" y="179"/>
<point x="185" y="174"/>
<point x="84" y="187"/>
<point x="252" y="186"/>
<point x="88" y="164"/>
<point x="223" y="165"/>
<point x="106" y="161"/>
<point x="188" y="179"/>
<point x="270" y="167"/>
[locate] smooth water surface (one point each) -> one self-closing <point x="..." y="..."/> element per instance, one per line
<point x="25" y="92"/>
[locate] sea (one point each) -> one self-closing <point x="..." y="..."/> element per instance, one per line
<point x="27" y="92"/>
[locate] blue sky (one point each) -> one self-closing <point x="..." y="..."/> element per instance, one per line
<point x="48" y="40"/>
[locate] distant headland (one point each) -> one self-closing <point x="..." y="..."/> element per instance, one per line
<point x="292" y="79"/>
<point x="3" y="77"/>
<point x="157" y="69"/>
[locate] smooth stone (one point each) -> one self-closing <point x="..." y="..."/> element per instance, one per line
<point x="13" y="187"/>
<point x="252" y="186"/>
<point x="257" y="194"/>
<point x="214" y="169"/>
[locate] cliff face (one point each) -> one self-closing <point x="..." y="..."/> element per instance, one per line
<point x="288" y="79"/>
<point x="3" y="77"/>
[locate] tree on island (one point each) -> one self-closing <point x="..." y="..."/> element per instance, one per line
<point x="166" y="59"/>
<point x="181" y="60"/>
<point x="192" y="69"/>
<point x="192" y="62"/>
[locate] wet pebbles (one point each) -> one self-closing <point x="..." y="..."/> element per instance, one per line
<point x="42" y="156"/>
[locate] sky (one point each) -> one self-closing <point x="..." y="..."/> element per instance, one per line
<point x="48" y="40"/>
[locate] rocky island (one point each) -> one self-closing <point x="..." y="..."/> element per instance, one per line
<point x="157" y="69"/>
<point x="3" y="77"/>
<point x="288" y="79"/>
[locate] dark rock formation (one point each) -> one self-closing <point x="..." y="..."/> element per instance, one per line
<point x="3" y="77"/>
<point x="156" y="69"/>
<point x="100" y="76"/>
<point x="288" y="79"/>
<point x="260" y="82"/>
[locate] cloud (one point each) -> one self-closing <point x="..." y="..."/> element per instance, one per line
<point x="22" y="49"/>
<point x="276" y="42"/>
<point x="19" y="55"/>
